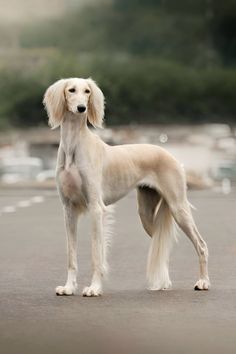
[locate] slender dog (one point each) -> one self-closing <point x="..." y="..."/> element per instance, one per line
<point x="92" y="175"/>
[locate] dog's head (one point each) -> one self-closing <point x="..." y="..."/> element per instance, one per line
<point x="78" y="96"/>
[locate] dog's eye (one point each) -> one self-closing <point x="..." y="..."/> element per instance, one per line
<point x="87" y="91"/>
<point x="71" y="90"/>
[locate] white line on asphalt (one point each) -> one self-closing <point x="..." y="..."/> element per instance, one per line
<point x="24" y="203"/>
<point x="8" y="209"/>
<point x="37" y="199"/>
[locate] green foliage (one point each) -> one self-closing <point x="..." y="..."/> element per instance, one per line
<point x="156" y="61"/>
<point x="136" y="91"/>
<point x="20" y="101"/>
<point x="193" y="32"/>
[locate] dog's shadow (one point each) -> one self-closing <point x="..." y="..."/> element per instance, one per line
<point x="145" y="296"/>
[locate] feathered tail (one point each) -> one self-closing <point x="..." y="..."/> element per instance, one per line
<point x="161" y="244"/>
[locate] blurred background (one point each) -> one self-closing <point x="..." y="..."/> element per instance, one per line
<point x="168" y="72"/>
<point x="166" y="67"/>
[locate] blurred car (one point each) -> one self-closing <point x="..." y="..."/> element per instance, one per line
<point x="19" y="169"/>
<point x="224" y="169"/>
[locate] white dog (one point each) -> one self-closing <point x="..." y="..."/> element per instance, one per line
<point x="92" y="175"/>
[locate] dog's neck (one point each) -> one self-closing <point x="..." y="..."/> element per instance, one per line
<point x="74" y="130"/>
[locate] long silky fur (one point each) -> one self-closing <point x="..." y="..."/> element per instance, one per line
<point x="108" y="228"/>
<point x="161" y="244"/>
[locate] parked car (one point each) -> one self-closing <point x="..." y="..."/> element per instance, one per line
<point x="19" y="169"/>
<point x="224" y="169"/>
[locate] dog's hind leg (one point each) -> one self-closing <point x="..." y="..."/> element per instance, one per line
<point x="159" y="224"/>
<point x="173" y="188"/>
<point x="148" y="198"/>
<point x="183" y="216"/>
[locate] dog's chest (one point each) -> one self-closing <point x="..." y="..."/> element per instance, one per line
<point x="72" y="182"/>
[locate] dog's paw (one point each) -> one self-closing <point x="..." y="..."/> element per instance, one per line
<point x="65" y="290"/>
<point x="202" y="284"/>
<point x="92" y="291"/>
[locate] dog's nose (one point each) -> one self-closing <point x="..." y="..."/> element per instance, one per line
<point x="81" y="108"/>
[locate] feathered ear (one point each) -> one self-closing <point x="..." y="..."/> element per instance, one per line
<point x="95" y="105"/>
<point x="54" y="102"/>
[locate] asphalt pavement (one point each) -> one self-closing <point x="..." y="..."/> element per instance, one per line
<point x="127" y="318"/>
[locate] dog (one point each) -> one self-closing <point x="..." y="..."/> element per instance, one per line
<point x="92" y="175"/>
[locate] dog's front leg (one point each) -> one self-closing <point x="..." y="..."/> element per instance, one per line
<point x="71" y="218"/>
<point x="98" y="252"/>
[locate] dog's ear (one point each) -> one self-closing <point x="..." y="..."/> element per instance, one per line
<point x="95" y="104"/>
<point x="54" y="102"/>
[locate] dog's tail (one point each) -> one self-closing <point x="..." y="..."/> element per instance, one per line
<point x="162" y="239"/>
